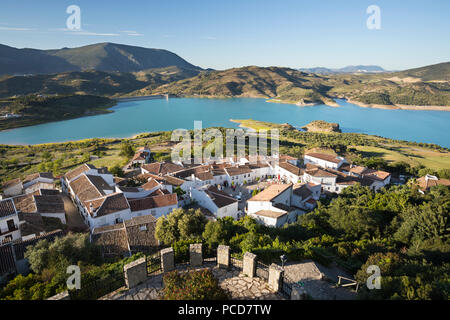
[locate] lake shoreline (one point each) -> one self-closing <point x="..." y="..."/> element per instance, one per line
<point x="399" y="106"/>
<point x="132" y="119"/>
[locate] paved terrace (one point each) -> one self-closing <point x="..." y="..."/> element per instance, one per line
<point x="244" y="279"/>
<point x="240" y="286"/>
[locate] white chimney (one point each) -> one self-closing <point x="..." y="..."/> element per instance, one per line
<point x="91" y="208"/>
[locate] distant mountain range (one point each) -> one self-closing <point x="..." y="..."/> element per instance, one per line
<point x="347" y="69"/>
<point x="109" y="57"/>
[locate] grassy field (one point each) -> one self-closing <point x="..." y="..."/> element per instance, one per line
<point x="258" y="125"/>
<point x="413" y="155"/>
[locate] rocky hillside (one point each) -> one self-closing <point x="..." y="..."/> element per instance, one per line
<point x="283" y="84"/>
<point x="321" y="126"/>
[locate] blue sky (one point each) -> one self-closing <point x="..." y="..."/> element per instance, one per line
<point x="232" y="33"/>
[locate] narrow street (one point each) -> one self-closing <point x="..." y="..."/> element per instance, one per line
<point x="75" y="222"/>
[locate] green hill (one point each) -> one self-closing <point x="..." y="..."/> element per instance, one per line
<point x="284" y="84"/>
<point x="100" y="57"/>
<point x="34" y="109"/>
<point x="292" y="86"/>
<point x="90" y="82"/>
<point x="435" y="72"/>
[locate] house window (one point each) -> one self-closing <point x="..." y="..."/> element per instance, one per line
<point x="11" y="225"/>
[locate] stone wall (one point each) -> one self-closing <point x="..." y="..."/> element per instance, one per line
<point x="195" y="255"/>
<point x="135" y="272"/>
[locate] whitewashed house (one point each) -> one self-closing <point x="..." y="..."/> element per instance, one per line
<point x="157" y="206"/>
<point x="324" y="160"/>
<point x="288" y="172"/>
<point x="9" y="222"/>
<point x="142" y="156"/>
<point x="302" y="197"/>
<point x="41" y="180"/>
<point x="51" y="206"/>
<point x="12" y="188"/>
<point x="272" y="206"/>
<point x="217" y="202"/>
<point x="107" y="210"/>
<point x="322" y="177"/>
<point x="239" y="175"/>
<point x="75" y="173"/>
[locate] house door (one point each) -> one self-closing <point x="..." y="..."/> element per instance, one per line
<point x="11" y="225"/>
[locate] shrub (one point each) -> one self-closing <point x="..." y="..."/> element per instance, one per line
<point x="193" y="285"/>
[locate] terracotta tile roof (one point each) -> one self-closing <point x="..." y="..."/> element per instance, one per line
<point x="153" y="202"/>
<point x="141" y="234"/>
<point x="11" y="183"/>
<point x="310" y="166"/>
<point x="187" y="172"/>
<point x="7" y="208"/>
<point x="25" y="203"/>
<point x="152" y="183"/>
<point x="135" y="235"/>
<point x="345" y="167"/>
<point x="291" y="168"/>
<point x="174" y="181"/>
<point x="140" y="220"/>
<point x="78" y="170"/>
<point x="162" y="168"/>
<point x="140" y="155"/>
<point x="49" y="204"/>
<point x="258" y="165"/>
<point x="427" y="182"/>
<point x="271" y="192"/>
<point x="129" y="189"/>
<point x="85" y="189"/>
<point x="49" y="192"/>
<point x="320" y="173"/>
<point x="218" y="172"/>
<point x="108" y="204"/>
<point x="32" y="223"/>
<point x="235" y="171"/>
<point x="99" y="183"/>
<point x="220" y="198"/>
<point x="376" y="174"/>
<point x="120" y="181"/>
<point x="7" y="262"/>
<point x="285" y="157"/>
<point x="112" y="239"/>
<point x="302" y="191"/>
<point x="358" y="170"/>
<point x="31" y="177"/>
<point x="323" y="156"/>
<point x="159" y="192"/>
<point x="204" y="176"/>
<point x="270" y="214"/>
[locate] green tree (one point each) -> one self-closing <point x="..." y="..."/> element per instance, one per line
<point x="126" y="150"/>
<point x="117" y="171"/>
<point x="180" y="224"/>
